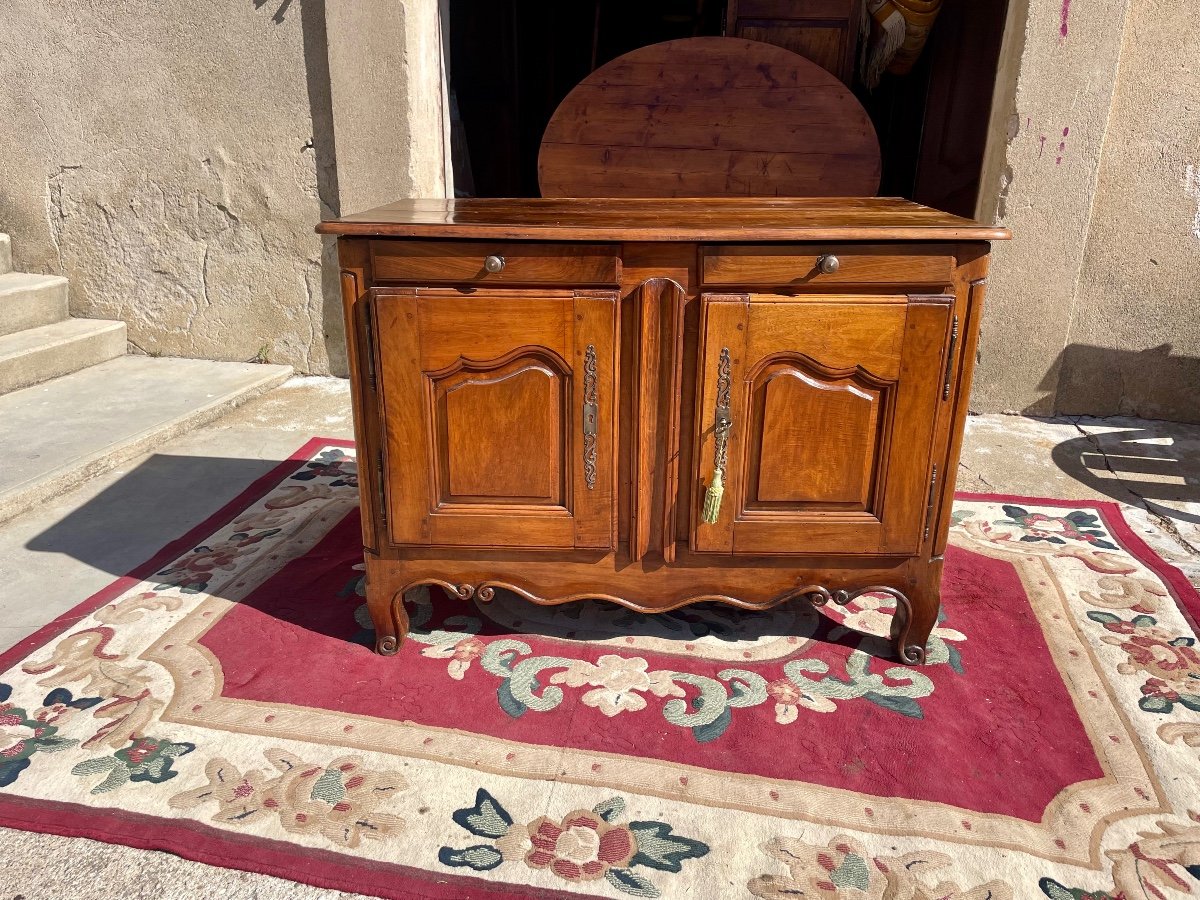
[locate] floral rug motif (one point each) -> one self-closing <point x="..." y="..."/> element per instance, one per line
<point x="222" y="703"/>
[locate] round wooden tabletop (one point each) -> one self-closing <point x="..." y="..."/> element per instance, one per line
<point x="709" y="117"/>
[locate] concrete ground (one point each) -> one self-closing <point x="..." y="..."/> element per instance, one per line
<point x="58" y="555"/>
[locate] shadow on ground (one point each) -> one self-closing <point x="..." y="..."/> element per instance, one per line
<point x="167" y="496"/>
<point x="152" y="505"/>
<point x="1156" y="466"/>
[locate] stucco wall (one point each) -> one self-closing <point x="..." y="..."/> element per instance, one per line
<point x="1094" y="126"/>
<point x="172" y="159"/>
<point x="1134" y="343"/>
<point x="1049" y="159"/>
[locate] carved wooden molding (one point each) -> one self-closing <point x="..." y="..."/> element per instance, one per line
<point x="488" y="365"/>
<point x="804" y="361"/>
<point x="658" y="374"/>
<point x="816" y="594"/>
<point x="389" y="644"/>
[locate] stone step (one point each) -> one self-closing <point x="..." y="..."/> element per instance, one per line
<point x="5" y="254"/>
<point x="30" y="301"/>
<point x="39" y="354"/>
<point x="63" y="432"/>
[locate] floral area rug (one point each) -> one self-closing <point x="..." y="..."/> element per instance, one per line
<point x="222" y="703"/>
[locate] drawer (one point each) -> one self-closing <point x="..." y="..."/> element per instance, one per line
<point x="775" y="265"/>
<point x="460" y="262"/>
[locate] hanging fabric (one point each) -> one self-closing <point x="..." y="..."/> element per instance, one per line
<point x="894" y="34"/>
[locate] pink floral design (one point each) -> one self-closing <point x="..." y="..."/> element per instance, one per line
<point x="789" y="698"/>
<point x="580" y="848"/>
<point x="460" y="655"/>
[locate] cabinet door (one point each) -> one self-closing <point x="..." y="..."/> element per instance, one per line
<point x="833" y="401"/>
<point x="498" y="413"/>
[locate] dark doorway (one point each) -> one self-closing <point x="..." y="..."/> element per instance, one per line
<point x="513" y="61"/>
<point x="933" y="123"/>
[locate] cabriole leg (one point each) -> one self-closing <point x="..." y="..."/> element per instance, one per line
<point x="386" y="606"/>
<point x="916" y="616"/>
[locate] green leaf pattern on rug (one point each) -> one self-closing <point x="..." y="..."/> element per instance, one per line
<point x="481" y="857"/>
<point x="486" y="818"/>
<point x="1056" y="891"/>
<point x="611" y="809"/>
<point x="631" y="883"/>
<point x="703" y="704"/>
<point x="1168" y="661"/>
<point x="585" y="845"/>
<point x="897" y="688"/>
<point x="23" y="734"/>
<point x="342" y="800"/>
<point x="852" y="873"/>
<point x="1078" y="525"/>
<point x="145" y="759"/>
<point x="658" y="848"/>
<point x="845" y="868"/>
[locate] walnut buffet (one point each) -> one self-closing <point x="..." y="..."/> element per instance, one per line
<point x="660" y="402"/>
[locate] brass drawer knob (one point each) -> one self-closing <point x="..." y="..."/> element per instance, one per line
<point x="494" y="264"/>
<point x="828" y="264"/>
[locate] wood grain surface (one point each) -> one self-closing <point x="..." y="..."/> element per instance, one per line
<point x="439" y="262"/>
<point x="671" y="219"/>
<point x="825" y="31"/>
<point x="767" y="264"/>
<point x="709" y="117"/>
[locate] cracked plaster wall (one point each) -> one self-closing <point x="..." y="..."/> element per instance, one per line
<point x="1091" y="307"/>
<point x="162" y="156"/>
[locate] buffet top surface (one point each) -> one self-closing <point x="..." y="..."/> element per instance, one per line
<point x="666" y="219"/>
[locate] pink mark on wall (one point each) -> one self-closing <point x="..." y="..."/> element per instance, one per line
<point x="1062" y="146"/>
<point x="1066" y="12"/>
<point x="1042" y="146"/>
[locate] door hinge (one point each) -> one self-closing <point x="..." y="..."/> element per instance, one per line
<point x="932" y="495"/>
<point x="369" y="348"/>
<point x="380" y="492"/>
<point x="950" y="358"/>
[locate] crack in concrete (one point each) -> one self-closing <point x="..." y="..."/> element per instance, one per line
<point x="963" y="465"/>
<point x="1163" y="522"/>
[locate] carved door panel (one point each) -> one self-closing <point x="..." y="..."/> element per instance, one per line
<point x="498" y="410"/>
<point x="829" y="405"/>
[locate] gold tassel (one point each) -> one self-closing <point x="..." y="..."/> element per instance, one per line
<point x="712" y="498"/>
